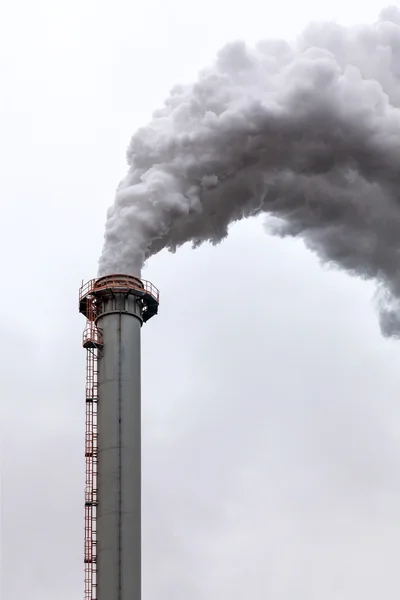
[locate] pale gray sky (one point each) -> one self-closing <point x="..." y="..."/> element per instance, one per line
<point x="271" y="402"/>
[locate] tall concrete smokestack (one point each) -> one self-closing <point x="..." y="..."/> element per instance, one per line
<point x="115" y="307"/>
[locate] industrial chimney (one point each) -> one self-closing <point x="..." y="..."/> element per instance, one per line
<point x="115" y="308"/>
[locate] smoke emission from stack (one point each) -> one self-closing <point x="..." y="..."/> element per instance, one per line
<point x="307" y="133"/>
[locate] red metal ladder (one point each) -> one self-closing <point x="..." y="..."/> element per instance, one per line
<point x="93" y="343"/>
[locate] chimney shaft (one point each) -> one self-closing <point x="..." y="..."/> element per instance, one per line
<point x="116" y="307"/>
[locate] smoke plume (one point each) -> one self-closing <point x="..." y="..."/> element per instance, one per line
<point x="307" y="133"/>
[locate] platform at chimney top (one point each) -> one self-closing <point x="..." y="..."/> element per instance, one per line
<point x="94" y="289"/>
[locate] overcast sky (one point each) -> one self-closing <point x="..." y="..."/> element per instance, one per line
<point x="271" y="402"/>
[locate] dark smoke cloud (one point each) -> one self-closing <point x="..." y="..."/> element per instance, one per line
<point x="308" y="134"/>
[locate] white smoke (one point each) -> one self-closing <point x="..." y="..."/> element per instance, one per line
<point x="308" y="133"/>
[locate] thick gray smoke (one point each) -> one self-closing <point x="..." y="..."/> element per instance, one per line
<point x="307" y="133"/>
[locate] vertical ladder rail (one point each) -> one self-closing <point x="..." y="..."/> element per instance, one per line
<point x="93" y="343"/>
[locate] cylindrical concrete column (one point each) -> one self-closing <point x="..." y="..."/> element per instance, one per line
<point x="115" y="306"/>
<point x="119" y="449"/>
